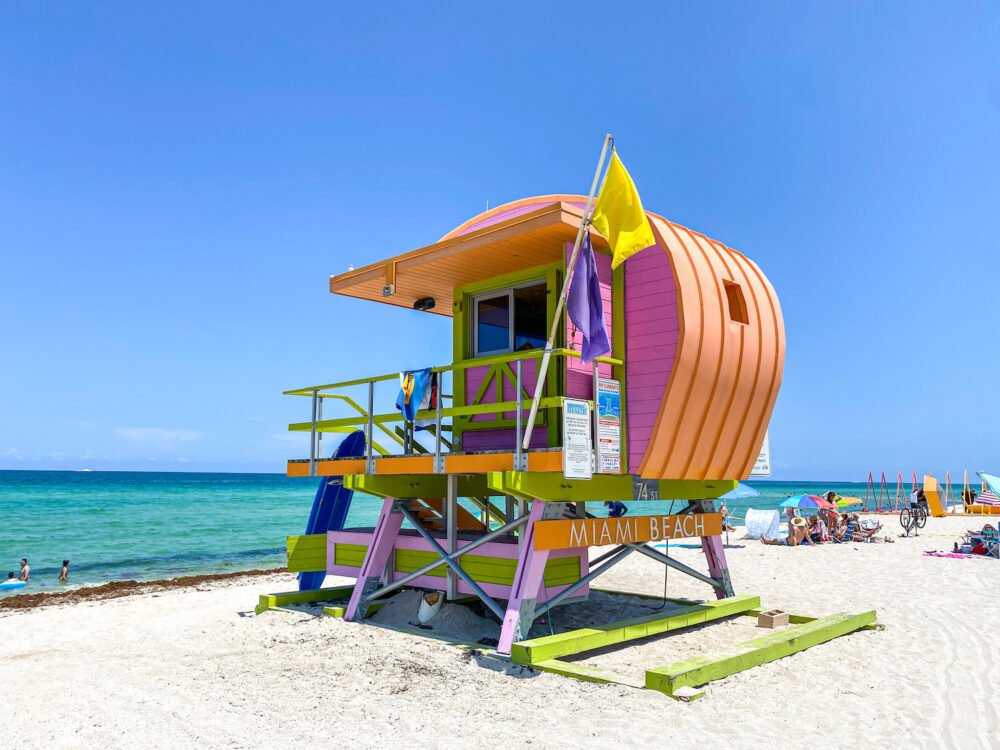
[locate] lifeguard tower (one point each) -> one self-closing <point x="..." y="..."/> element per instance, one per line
<point x="678" y="411"/>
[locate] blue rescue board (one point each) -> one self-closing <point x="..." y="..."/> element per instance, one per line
<point x="333" y="500"/>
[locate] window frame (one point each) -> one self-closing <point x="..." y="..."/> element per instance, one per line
<point x="493" y="294"/>
<point x="476" y="299"/>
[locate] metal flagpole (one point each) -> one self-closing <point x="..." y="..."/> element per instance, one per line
<point x="544" y="366"/>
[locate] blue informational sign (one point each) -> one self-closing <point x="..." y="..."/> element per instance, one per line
<point x="609" y="426"/>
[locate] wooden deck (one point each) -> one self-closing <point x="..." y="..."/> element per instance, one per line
<point x="454" y="463"/>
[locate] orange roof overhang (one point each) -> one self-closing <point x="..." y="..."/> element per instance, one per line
<point x="532" y="239"/>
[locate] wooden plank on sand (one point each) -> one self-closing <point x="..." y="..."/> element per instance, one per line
<point x="703" y="669"/>
<point x="587" y="639"/>
<point x="332" y="594"/>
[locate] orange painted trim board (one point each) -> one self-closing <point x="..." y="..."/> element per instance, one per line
<point x="327" y="468"/>
<point x="470" y="463"/>
<point x="405" y="465"/>
<point x="595" y="532"/>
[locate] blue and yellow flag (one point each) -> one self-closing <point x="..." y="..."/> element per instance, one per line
<point x="618" y="214"/>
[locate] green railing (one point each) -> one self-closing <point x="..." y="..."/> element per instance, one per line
<point x="366" y="419"/>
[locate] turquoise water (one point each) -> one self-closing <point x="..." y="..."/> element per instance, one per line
<point x="143" y="526"/>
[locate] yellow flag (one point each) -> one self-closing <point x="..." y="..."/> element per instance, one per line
<point x="618" y="214"/>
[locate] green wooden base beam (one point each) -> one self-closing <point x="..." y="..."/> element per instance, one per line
<point x="554" y="487"/>
<point x="704" y="669"/>
<point x="271" y="601"/>
<point x="584" y="673"/>
<point x="337" y="610"/>
<point x="587" y="639"/>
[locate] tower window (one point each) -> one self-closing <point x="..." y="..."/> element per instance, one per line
<point x="737" y="302"/>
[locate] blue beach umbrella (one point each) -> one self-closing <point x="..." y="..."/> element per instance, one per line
<point x="742" y="492"/>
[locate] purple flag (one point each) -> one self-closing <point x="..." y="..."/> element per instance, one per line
<point x="584" y="304"/>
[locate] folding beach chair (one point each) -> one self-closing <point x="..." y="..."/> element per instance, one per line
<point x="991" y="540"/>
<point x="988" y="537"/>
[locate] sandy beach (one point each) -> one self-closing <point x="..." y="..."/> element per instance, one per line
<point x="194" y="668"/>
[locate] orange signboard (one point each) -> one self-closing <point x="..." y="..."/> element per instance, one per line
<point x="595" y="532"/>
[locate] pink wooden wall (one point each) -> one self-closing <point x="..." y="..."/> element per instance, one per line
<point x="650" y="343"/>
<point x="504" y="439"/>
<point x="579" y="377"/>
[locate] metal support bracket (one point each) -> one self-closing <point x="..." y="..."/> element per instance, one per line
<point x="367" y="589"/>
<point x="554" y="511"/>
<point x="525" y="619"/>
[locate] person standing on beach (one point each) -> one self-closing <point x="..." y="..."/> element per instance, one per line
<point x="922" y="500"/>
<point x="616" y="508"/>
<point x="25" y="571"/>
<point x="64" y="573"/>
<point x="724" y="512"/>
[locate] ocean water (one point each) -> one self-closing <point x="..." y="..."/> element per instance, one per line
<point x="144" y="525"/>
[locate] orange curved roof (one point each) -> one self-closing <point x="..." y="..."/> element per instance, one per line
<point x="726" y="374"/>
<point x="509" y="210"/>
<point x="724" y="378"/>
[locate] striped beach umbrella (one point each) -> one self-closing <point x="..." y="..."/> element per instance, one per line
<point x="992" y="495"/>
<point x="847" y="502"/>
<point x="807" y="502"/>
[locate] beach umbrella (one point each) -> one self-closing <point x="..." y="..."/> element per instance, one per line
<point x="742" y="492"/>
<point x="992" y="495"/>
<point x="847" y="502"/>
<point x="806" y="502"/>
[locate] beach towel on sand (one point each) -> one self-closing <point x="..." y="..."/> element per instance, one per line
<point x="956" y="555"/>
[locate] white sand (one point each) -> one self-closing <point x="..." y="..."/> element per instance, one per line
<point x="185" y="669"/>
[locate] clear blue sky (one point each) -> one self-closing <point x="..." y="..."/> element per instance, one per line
<point x="178" y="180"/>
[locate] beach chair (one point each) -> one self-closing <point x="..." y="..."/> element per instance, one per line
<point x="871" y="524"/>
<point x="868" y="529"/>
<point x="848" y="536"/>
<point x="988" y="536"/>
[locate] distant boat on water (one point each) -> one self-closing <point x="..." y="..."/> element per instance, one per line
<point x="84" y="470"/>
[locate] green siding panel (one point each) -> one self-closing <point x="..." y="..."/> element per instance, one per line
<point x="306" y="553"/>
<point x="559" y="571"/>
<point x="349" y="555"/>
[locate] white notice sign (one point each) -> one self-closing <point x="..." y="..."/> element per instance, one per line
<point x="609" y="426"/>
<point x="577" y="443"/>
<point x="762" y="468"/>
